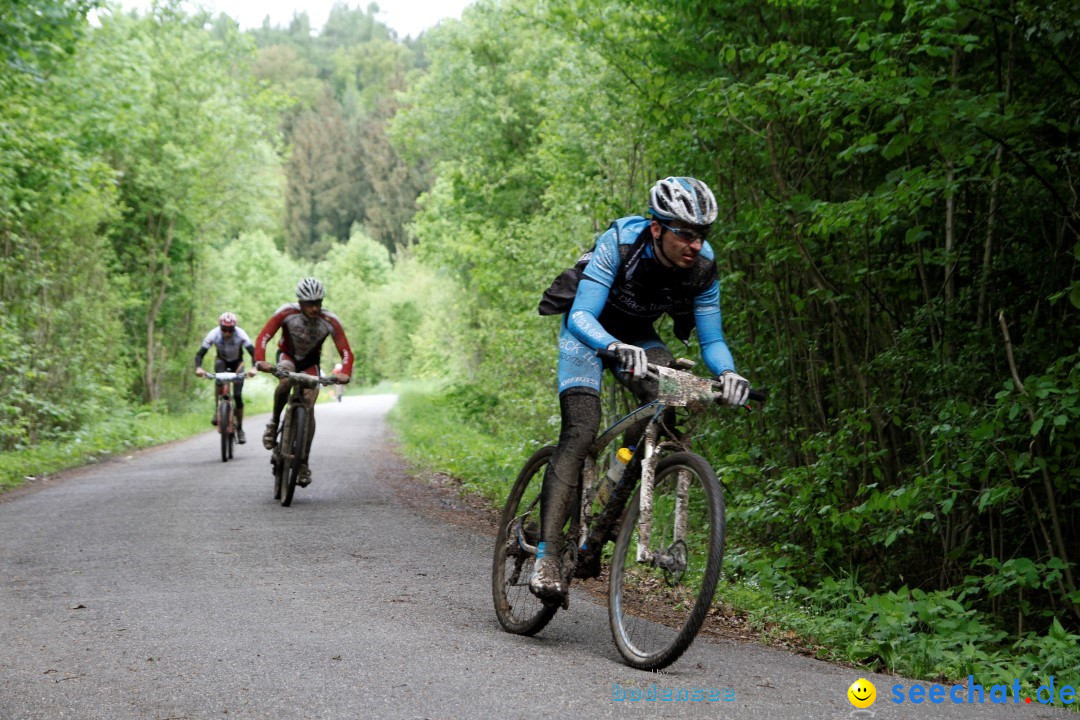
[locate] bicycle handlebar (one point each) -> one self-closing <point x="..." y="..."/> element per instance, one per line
<point x="652" y="371"/>
<point x="303" y="378"/>
<point x="225" y="376"/>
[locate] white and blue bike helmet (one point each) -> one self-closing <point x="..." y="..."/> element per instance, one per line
<point x="683" y="198"/>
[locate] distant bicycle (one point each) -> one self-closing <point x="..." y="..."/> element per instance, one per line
<point x="669" y="534"/>
<point x="226" y="417"/>
<point x="289" y="452"/>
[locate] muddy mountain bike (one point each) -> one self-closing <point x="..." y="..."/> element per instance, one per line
<point x="290" y="449"/>
<point x="226" y="416"/>
<point x="667" y="520"/>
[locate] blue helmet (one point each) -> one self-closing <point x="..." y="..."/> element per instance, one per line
<point x="683" y="198"/>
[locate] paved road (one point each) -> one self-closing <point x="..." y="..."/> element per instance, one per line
<point x="170" y="585"/>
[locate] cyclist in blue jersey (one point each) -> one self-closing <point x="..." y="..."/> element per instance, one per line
<point x="230" y="341"/>
<point x="639" y="269"/>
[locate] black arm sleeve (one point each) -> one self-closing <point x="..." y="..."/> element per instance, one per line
<point x="250" y="347"/>
<point x="199" y="356"/>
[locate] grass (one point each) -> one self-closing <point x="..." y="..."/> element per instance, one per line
<point x="126" y="431"/>
<point x="436" y="433"/>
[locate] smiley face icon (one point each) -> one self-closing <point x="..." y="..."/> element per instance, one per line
<point x="862" y="693"/>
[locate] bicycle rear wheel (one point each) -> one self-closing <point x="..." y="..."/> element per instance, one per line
<point x="518" y="610"/>
<point x="224" y="417"/>
<point x="656" y="608"/>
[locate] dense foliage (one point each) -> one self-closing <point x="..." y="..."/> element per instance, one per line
<point x="152" y="172"/>
<point x="898" y="246"/>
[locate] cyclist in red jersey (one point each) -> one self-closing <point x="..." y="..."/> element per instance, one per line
<point x="304" y="327"/>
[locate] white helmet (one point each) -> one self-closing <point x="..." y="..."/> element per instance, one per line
<point x="310" y="290"/>
<point x="683" y="198"/>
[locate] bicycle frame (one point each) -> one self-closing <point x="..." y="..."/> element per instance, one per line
<point x="650" y="456"/>
<point x="223" y="387"/>
<point x="300" y="383"/>
<point x="677" y="388"/>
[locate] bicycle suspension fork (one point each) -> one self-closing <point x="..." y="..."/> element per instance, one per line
<point x="648" y="483"/>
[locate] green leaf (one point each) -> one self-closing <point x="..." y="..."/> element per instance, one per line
<point x="896" y="146"/>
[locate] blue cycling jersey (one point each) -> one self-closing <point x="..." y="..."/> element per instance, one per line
<point x="612" y="307"/>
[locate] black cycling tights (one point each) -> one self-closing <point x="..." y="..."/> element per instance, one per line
<point x="580" y="419"/>
<point x="580" y="409"/>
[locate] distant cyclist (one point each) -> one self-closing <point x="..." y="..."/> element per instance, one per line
<point x="230" y="341"/>
<point x="304" y="327"/>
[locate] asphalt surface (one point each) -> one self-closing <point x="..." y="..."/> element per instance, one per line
<point x="170" y="586"/>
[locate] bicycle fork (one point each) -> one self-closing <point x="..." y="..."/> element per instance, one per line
<point x="673" y="557"/>
<point x="648" y="484"/>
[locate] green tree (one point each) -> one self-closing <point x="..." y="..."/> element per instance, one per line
<point x="162" y="104"/>
<point x="249" y="276"/>
<point x="321" y="188"/>
<point x="888" y="175"/>
<point x="56" y="313"/>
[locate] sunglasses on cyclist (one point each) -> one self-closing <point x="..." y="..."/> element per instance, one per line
<point x="687" y="235"/>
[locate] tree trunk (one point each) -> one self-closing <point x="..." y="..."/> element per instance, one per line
<point x="150" y="389"/>
<point x="950" y="224"/>
<point x="1005" y="84"/>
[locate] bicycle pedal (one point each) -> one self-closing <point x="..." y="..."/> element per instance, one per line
<point x="556" y="603"/>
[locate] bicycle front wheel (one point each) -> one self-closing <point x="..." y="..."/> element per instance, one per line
<point x="518" y="610"/>
<point x="657" y="606"/>
<point x="294" y="450"/>
<point x="290" y="458"/>
<point x="224" y="418"/>
<point x="277" y="461"/>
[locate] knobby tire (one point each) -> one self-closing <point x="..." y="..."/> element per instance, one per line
<point x="223" y="430"/>
<point x="671" y="641"/>
<point x="518" y="610"/>
<point x="292" y="448"/>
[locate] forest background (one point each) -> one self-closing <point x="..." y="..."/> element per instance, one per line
<point x="897" y="242"/>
